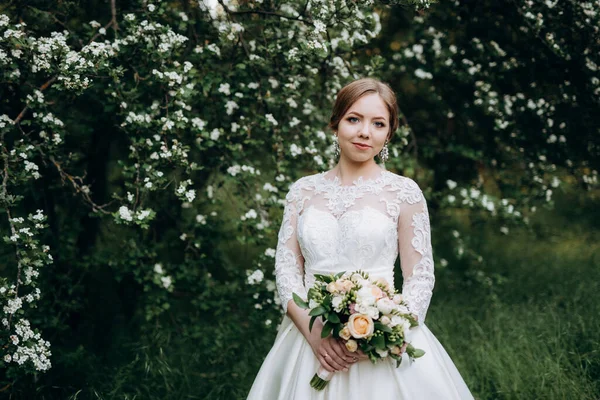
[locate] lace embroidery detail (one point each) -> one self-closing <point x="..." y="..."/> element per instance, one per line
<point x="361" y="230"/>
<point x="343" y="197"/>
<point x="417" y="288"/>
<point x="288" y="269"/>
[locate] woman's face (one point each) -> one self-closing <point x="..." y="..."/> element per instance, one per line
<point x="363" y="128"/>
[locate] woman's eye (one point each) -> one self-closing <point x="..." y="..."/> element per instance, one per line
<point x="381" y="124"/>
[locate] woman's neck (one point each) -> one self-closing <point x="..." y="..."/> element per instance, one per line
<point x="348" y="172"/>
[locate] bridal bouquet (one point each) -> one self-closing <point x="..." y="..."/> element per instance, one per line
<point x="365" y="313"/>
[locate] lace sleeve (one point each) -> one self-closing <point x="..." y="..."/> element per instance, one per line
<point x="289" y="262"/>
<point x="416" y="256"/>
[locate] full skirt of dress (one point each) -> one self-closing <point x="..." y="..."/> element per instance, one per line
<point x="290" y="365"/>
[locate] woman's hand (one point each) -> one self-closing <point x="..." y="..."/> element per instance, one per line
<point x="331" y="353"/>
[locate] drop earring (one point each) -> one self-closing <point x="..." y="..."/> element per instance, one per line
<point x="336" y="146"/>
<point x="384" y="153"/>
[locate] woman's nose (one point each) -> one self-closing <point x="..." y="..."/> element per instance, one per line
<point x="364" y="131"/>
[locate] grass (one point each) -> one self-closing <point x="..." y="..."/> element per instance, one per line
<point x="538" y="339"/>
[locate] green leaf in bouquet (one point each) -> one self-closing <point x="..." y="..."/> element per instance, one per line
<point x="298" y="300"/>
<point x="383" y="328"/>
<point x="418" y="353"/>
<point x="333" y="317"/>
<point x="372" y="357"/>
<point x="339" y="275"/>
<point x="326" y="329"/>
<point x="327" y="301"/>
<point x="378" y="341"/>
<point x="336" y="330"/>
<point x="313" y="293"/>
<point x="311" y="323"/>
<point x="414" y="352"/>
<point x="323" y="278"/>
<point x="320" y="310"/>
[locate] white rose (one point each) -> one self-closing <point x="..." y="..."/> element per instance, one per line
<point x="360" y="308"/>
<point x="336" y="302"/>
<point x="385" y="320"/>
<point x="385" y="305"/>
<point x="398" y="298"/>
<point x="403" y="309"/>
<point x="406" y="326"/>
<point x="396" y="320"/>
<point x="373" y="312"/>
<point x="365" y="296"/>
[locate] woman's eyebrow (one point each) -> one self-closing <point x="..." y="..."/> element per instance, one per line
<point x="360" y="115"/>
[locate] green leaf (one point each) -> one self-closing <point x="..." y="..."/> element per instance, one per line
<point x="336" y="330"/>
<point x="418" y="353"/>
<point x="298" y="300"/>
<point x="326" y="329"/>
<point x="323" y="278"/>
<point x="339" y="275"/>
<point x="378" y="342"/>
<point x="320" y="310"/>
<point x="312" y="321"/>
<point x="383" y="328"/>
<point x="333" y="317"/>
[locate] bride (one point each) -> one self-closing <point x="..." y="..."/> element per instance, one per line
<point x="355" y="216"/>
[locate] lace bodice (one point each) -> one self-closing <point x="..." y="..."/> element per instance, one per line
<point x="329" y="227"/>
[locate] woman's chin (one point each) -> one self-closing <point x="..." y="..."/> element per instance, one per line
<point x="359" y="158"/>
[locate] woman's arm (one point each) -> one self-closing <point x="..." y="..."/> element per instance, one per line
<point x="416" y="256"/>
<point x="289" y="271"/>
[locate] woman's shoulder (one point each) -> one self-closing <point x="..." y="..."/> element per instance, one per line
<point x="406" y="189"/>
<point x="300" y="185"/>
<point x="307" y="181"/>
<point x="398" y="179"/>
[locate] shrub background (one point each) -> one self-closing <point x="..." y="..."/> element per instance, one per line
<point x="158" y="140"/>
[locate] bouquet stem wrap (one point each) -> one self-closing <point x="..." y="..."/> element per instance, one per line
<point x="321" y="378"/>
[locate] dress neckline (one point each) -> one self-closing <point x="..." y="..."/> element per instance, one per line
<point x="360" y="181"/>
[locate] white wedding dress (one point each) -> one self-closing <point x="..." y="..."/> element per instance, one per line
<point x="327" y="228"/>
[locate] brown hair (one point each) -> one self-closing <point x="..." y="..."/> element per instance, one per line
<point x="355" y="90"/>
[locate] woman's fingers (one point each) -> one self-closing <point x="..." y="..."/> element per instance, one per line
<point x="349" y="356"/>
<point x="361" y="355"/>
<point x="333" y="362"/>
<point x="325" y="363"/>
<point x="341" y="351"/>
<point x="333" y="356"/>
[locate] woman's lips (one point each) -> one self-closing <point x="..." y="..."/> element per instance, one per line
<point x="361" y="146"/>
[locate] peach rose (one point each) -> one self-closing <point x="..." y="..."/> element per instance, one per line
<point x="360" y="326"/>
<point x="351" y="345"/>
<point x="383" y="282"/>
<point x="377" y="292"/>
<point x="345" y="333"/>
<point x="331" y="287"/>
<point x="344" y="285"/>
